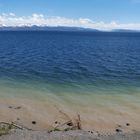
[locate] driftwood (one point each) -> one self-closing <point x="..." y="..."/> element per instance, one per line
<point x="72" y="125"/>
<point x="11" y="125"/>
<point x="14" y="125"/>
<point x="78" y="122"/>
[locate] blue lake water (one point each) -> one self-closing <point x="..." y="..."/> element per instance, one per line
<point x="77" y="68"/>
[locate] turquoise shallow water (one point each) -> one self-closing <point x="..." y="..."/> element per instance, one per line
<point x="103" y="96"/>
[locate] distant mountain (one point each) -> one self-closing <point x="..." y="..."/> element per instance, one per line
<point x="58" y="28"/>
<point x="46" y="28"/>
<point x="125" y="30"/>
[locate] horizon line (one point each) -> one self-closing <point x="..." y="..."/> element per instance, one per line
<point x="12" y="20"/>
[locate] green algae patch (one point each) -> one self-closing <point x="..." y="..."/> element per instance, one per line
<point x="5" y="128"/>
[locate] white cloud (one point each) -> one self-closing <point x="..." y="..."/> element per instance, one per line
<point x="11" y="14"/>
<point x="40" y="20"/>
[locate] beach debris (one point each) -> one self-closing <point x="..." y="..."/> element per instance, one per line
<point x="56" y="122"/>
<point x="78" y="122"/>
<point x="70" y="124"/>
<point x="119" y="126"/>
<point x="20" y="126"/>
<point x="54" y="130"/>
<point x="90" y="132"/>
<point x="127" y="124"/>
<point x="18" y="119"/>
<point x="5" y="128"/>
<point x="118" y="130"/>
<point x="34" y="122"/>
<point x="12" y="107"/>
<point x="19" y="107"/>
<point x="15" y="125"/>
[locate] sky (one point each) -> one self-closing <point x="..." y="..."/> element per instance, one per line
<point x="99" y="14"/>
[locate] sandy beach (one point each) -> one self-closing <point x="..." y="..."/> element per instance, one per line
<point x="38" y="116"/>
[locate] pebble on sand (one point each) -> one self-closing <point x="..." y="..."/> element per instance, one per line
<point x="33" y="122"/>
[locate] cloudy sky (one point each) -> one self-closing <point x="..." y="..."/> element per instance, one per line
<point x="99" y="14"/>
